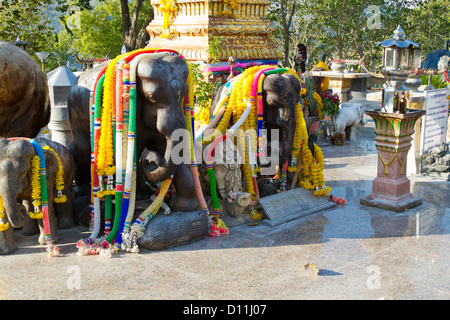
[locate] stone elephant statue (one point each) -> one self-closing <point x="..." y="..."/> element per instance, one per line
<point x="281" y="93"/>
<point x="24" y="99"/>
<point x="161" y="89"/>
<point x="16" y="189"/>
<point x="349" y="119"/>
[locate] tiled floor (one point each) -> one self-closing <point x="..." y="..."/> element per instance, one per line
<point x="359" y="252"/>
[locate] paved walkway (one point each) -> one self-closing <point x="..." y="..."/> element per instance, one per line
<point x="359" y="252"/>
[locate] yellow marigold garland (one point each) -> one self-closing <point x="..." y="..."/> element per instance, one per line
<point x="59" y="179"/>
<point x="168" y="8"/>
<point x="232" y="5"/>
<point x="2" y="208"/>
<point x="201" y="116"/>
<point x="36" y="188"/>
<point x="106" y="147"/>
<point x="324" y="86"/>
<point x="3" y="226"/>
<point x="312" y="171"/>
<point x="300" y="127"/>
<point x="318" y="100"/>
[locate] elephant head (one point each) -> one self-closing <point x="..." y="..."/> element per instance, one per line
<point x="162" y="86"/>
<point x="15" y="165"/>
<point x="161" y="89"/>
<point x="281" y="94"/>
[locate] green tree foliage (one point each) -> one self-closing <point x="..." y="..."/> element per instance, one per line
<point x="297" y="26"/>
<point x="351" y="29"/>
<point x="429" y="24"/>
<point x="31" y="21"/>
<point x="341" y="28"/>
<point x="98" y="32"/>
<point x="136" y="15"/>
<point x="89" y="28"/>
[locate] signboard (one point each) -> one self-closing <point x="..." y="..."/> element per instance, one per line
<point x="434" y="123"/>
<point x="286" y="206"/>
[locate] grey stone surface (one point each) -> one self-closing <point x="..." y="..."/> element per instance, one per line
<point x="360" y="252"/>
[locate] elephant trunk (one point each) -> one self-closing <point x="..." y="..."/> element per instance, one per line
<point x="16" y="212"/>
<point x="157" y="168"/>
<point x="244" y="199"/>
<point x="287" y="139"/>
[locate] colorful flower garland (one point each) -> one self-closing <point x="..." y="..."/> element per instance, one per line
<point x="36" y="188"/>
<point x="39" y="189"/>
<point x="59" y="179"/>
<point x="318" y="100"/>
<point x="239" y="98"/>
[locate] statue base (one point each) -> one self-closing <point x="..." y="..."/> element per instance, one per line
<point x="391" y="195"/>
<point x="399" y="206"/>
<point x="175" y="229"/>
<point x="291" y="205"/>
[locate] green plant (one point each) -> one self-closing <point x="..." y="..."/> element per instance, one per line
<point x="437" y="81"/>
<point x="202" y="89"/>
<point x="214" y="49"/>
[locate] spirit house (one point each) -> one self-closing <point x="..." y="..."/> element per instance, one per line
<point x="400" y="57"/>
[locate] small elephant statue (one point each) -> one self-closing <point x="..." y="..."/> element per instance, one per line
<point x="228" y="176"/>
<point x="350" y="117"/>
<point x="438" y="159"/>
<point x="16" y="189"/>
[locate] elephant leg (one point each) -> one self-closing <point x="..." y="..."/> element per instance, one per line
<point x="7" y="244"/>
<point x="64" y="211"/>
<point x="184" y="198"/>
<point x="352" y="133"/>
<point x="31" y="227"/>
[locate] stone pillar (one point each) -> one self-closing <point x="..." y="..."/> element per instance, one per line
<point x="391" y="187"/>
<point x="59" y="126"/>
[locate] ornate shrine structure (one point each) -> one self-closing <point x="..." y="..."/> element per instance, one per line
<point x="245" y="31"/>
